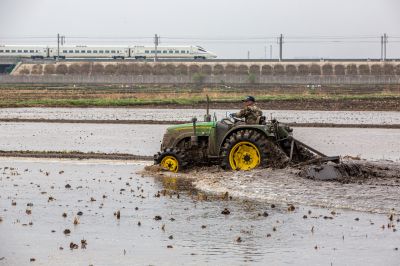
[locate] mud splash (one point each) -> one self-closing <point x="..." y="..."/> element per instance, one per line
<point x="362" y="186"/>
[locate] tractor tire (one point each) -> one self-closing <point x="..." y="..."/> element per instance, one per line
<point x="173" y="160"/>
<point x="248" y="149"/>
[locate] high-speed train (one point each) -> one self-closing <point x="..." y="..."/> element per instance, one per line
<point x="112" y="52"/>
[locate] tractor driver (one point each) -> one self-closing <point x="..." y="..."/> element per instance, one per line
<point x="250" y="111"/>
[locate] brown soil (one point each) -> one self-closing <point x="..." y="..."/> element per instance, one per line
<point x="374" y="97"/>
<point x="174" y="122"/>
<point x="74" y="155"/>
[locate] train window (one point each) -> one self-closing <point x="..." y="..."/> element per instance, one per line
<point x="7" y="51"/>
<point x="182" y="52"/>
<point x="118" y="51"/>
<point x="32" y="51"/>
<point x="171" y="52"/>
<point x="146" y="52"/>
<point x="19" y="51"/>
<point x="107" y="52"/>
<point x="187" y="52"/>
<point x="101" y="51"/>
<point x="12" y="51"/>
<point x="95" y="51"/>
<point x="113" y="51"/>
<point x="71" y="51"/>
<point x="25" y="51"/>
<point x="153" y="51"/>
<point x="177" y="52"/>
<point x="82" y="51"/>
<point x="89" y="51"/>
<point x="77" y="51"/>
<point x="165" y="51"/>
<point x="1" y="51"/>
<point x="65" y="51"/>
<point x="37" y="51"/>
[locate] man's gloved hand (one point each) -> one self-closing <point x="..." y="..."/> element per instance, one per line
<point x="232" y="115"/>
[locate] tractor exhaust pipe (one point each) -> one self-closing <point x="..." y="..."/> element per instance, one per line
<point x="194" y="139"/>
<point x="207" y="117"/>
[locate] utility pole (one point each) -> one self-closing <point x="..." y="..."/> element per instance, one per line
<point x="385" y="41"/>
<point x="60" y="40"/>
<point x="381" y="48"/>
<point x="270" y="51"/>
<point x="248" y="54"/>
<point x="280" y="47"/>
<point x="156" y="43"/>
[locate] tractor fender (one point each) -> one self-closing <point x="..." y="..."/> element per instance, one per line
<point x="260" y="129"/>
<point x="181" y="137"/>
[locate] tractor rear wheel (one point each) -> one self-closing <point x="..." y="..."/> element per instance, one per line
<point x="171" y="159"/>
<point x="248" y="149"/>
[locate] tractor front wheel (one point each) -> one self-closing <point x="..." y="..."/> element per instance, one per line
<point x="171" y="160"/>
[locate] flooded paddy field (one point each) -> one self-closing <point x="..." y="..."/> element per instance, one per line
<point x="288" y="116"/>
<point x="372" y="144"/>
<point x="70" y="212"/>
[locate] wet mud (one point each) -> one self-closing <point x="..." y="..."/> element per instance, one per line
<point x="63" y="212"/>
<point x="116" y="115"/>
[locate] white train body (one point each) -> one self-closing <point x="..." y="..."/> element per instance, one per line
<point x="190" y="52"/>
<point x="106" y="52"/>
<point x="83" y="51"/>
<point x="32" y="51"/>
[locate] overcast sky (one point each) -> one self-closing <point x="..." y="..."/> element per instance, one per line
<point x="230" y="28"/>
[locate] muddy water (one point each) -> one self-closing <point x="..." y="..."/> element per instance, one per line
<point x="338" y="117"/>
<point x="373" y="144"/>
<point x="381" y="195"/>
<point x="200" y="233"/>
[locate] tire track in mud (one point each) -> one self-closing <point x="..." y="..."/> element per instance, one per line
<point x="175" y="122"/>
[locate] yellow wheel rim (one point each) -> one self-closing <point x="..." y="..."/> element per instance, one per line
<point x="170" y="163"/>
<point x="244" y="156"/>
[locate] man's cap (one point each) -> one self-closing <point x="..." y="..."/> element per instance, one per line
<point x="249" y="98"/>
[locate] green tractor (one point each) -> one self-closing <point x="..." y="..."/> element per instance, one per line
<point x="233" y="144"/>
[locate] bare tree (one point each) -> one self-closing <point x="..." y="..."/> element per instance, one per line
<point x="315" y="69"/>
<point x="146" y="69"/>
<point x="398" y="69"/>
<point x="376" y="69"/>
<point x="327" y="69"/>
<point x="266" y="70"/>
<point x="243" y="70"/>
<point x="98" y="69"/>
<point x="340" y="70"/>
<point x="279" y="70"/>
<point x="171" y="69"/>
<point x="74" y="69"/>
<point x="304" y="70"/>
<point x="122" y="69"/>
<point x="24" y="71"/>
<point x="255" y="69"/>
<point x="351" y="69"/>
<point x="218" y="70"/>
<point x="182" y="69"/>
<point x="194" y="69"/>
<point x="206" y="69"/>
<point x="291" y="70"/>
<point x="364" y="69"/>
<point x="37" y="69"/>
<point x="388" y="69"/>
<point x="230" y="69"/>
<point x="85" y="68"/>
<point x="49" y="69"/>
<point x="110" y="69"/>
<point x="61" y="69"/>
<point x="159" y="69"/>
